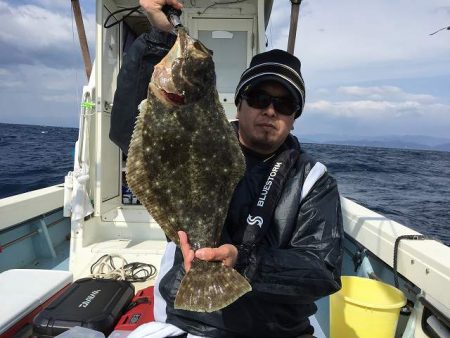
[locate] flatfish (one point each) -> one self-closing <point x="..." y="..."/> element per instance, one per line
<point x="184" y="163"/>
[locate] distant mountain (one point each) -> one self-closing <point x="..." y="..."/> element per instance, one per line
<point x="388" y="141"/>
<point x="443" y="147"/>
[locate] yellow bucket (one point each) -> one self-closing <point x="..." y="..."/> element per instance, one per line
<point x="365" y="308"/>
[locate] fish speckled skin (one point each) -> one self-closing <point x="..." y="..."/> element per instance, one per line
<point x="184" y="163"/>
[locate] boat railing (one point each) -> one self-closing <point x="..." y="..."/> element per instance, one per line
<point x="23" y="207"/>
<point x="33" y="230"/>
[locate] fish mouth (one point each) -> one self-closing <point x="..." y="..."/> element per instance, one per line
<point x="163" y="85"/>
<point x="174" y="98"/>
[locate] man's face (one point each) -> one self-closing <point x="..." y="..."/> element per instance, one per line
<point x="264" y="130"/>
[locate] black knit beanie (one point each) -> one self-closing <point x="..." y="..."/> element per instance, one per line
<point x="276" y="65"/>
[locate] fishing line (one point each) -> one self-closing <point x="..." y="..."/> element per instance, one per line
<point x="271" y="33"/>
<point x="131" y="11"/>
<point x="441" y="29"/>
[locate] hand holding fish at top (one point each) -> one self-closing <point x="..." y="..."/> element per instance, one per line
<point x="153" y="8"/>
<point x="226" y="253"/>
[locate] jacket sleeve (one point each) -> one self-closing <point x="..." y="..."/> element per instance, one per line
<point x="132" y="83"/>
<point x="310" y="266"/>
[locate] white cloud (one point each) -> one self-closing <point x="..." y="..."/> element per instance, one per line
<point x="384" y="92"/>
<point x="374" y="118"/>
<point x="41" y="95"/>
<point x="369" y="109"/>
<point x="322" y="91"/>
<point x="69" y="98"/>
<point x="31" y="28"/>
<point x="34" y="27"/>
<point x="54" y="4"/>
<point x="391" y="106"/>
<point x="11" y="84"/>
<point x="44" y="79"/>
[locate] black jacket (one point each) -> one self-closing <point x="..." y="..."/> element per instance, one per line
<point x="297" y="262"/>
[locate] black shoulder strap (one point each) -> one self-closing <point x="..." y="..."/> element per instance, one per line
<point x="261" y="212"/>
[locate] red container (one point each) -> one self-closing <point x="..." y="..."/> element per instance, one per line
<point x="140" y="311"/>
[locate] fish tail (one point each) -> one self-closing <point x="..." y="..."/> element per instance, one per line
<point x="210" y="286"/>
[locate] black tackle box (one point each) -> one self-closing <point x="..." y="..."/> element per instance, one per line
<point x="92" y="303"/>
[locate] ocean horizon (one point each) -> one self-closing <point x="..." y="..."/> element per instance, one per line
<point x="410" y="186"/>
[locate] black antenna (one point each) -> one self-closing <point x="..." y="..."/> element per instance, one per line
<point x="447" y="28"/>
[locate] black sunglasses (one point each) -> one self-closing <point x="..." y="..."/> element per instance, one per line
<point x="260" y="99"/>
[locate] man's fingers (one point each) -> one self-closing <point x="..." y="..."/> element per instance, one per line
<point x="206" y="254"/>
<point x="188" y="253"/>
<point x="184" y="244"/>
<point x="226" y="253"/>
<point x="155" y="15"/>
<point x="175" y="3"/>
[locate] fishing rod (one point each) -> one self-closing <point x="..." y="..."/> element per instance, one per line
<point x="441" y="29"/>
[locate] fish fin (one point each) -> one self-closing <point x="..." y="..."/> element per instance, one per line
<point x="210" y="286"/>
<point x="137" y="174"/>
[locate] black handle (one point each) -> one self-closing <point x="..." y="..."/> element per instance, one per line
<point x="169" y="10"/>
<point x="173" y="15"/>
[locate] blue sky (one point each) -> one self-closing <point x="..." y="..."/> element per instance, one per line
<point x="371" y="68"/>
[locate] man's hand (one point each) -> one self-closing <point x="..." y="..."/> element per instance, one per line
<point x="156" y="15"/>
<point x="226" y="253"/>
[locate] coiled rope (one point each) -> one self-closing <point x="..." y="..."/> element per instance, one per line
<point x="116" y="267"/>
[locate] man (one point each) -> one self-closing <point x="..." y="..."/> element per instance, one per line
<point x="293" y="256"/>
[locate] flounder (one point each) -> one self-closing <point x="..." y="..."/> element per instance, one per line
<point x="184" y="163"/>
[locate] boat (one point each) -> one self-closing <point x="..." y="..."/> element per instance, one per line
<point x="57" y="233"/>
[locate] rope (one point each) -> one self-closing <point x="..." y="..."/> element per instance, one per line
<point x="397" y="242"/>
<point x="116" y="267"/>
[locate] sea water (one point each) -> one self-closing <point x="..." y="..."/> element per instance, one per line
<point x="411" y="187"/>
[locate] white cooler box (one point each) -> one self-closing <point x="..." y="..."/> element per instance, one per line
<point x="23" y="294"/>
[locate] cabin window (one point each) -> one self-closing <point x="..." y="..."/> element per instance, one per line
<point x="230" y="56"/>
<point x="231" y="41"/>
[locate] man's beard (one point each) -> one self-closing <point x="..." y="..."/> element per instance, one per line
<point x="264" y="142"/>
